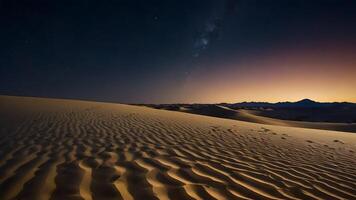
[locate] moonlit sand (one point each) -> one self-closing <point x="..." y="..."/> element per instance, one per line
<point x="67" y="149"/>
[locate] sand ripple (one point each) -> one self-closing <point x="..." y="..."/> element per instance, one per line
<point x="61" y="149"/>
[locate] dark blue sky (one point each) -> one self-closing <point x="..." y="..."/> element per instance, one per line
<point x="144" y="51"/>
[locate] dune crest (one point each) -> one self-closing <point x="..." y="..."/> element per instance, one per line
<point x="66" y="149"/>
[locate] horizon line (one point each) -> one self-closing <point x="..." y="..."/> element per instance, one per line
<point x="131" y="103"/>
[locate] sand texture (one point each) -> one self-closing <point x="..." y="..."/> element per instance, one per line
<point x="65" y="149"/>
<point x="251" y="116"/>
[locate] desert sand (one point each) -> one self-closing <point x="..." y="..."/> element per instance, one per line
<point x="252" y="116"/>
<point x="67" y="149"/>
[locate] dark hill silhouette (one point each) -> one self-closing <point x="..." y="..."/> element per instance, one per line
<point x="305" y="103"/>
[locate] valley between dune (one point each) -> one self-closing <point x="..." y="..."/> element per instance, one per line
<point x="68" y="149"/>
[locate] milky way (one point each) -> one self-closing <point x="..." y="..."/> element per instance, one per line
<point x="135" y="51"/>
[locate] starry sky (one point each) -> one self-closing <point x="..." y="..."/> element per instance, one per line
<point x="159" y="51"/>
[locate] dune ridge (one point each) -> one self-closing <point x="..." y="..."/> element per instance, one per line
<point x="67" y="149"/>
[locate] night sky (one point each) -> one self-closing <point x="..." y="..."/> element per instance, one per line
<point x="167" y="51"/>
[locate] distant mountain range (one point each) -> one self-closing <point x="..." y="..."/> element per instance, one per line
<point x="305" y="103"/>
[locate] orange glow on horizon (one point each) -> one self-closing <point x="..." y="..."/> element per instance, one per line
<point x="278" y="79"/>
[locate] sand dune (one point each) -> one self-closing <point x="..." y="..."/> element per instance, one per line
<point x="256" y="116"/>
<point x="65" y="149"/>
<point x="253" y="116"/>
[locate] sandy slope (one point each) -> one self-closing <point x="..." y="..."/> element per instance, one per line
<point x="252" y="116"/>
<point x="255" y="117"/>
<point x="62" y="149"/>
